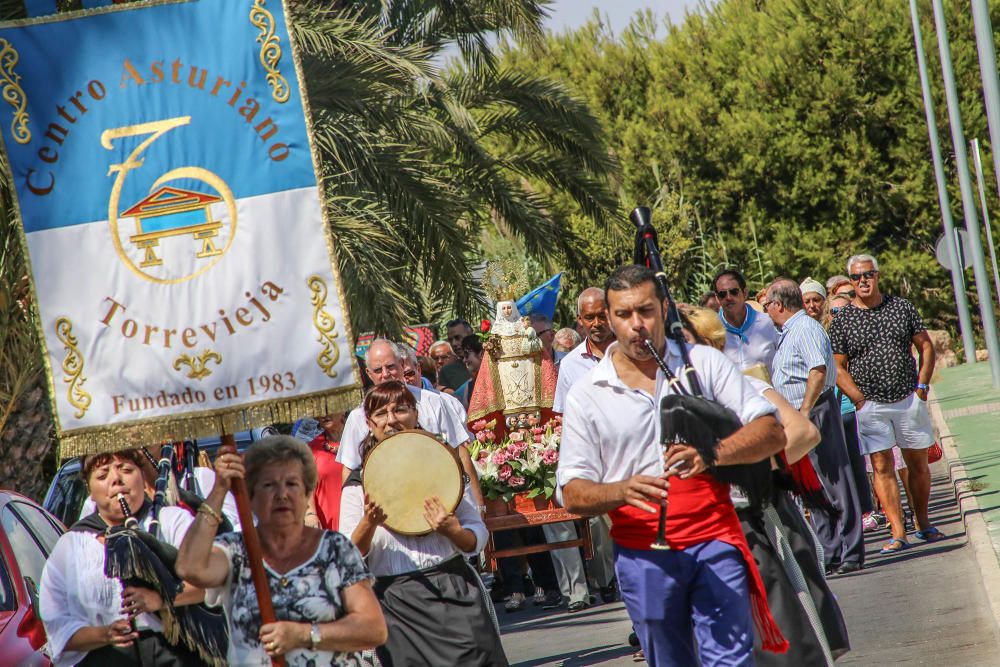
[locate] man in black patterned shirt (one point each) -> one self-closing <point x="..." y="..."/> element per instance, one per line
<point x="875" y="369"/>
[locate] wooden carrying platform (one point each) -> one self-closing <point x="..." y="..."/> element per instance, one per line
<point x="524" y="518"/>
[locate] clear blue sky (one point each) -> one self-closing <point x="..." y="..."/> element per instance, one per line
<point x="565" y="14"/>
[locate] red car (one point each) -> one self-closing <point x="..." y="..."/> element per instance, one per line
<point x="27" y="536"/>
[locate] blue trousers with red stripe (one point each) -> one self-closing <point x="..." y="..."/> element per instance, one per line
<point x="681" y="598"/>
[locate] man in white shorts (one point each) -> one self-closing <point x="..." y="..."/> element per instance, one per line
<point x="876" y="371"/>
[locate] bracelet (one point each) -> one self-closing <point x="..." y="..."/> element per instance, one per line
<point x="206" y="510"/>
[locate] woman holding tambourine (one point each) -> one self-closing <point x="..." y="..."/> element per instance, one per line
<point x="423" y="580"/>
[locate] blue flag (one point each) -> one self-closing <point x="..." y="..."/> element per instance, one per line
<point x="542" y="299"/>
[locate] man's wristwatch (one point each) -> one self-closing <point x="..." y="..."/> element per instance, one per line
<point x="314" y="637"/>
<point x="923" y="386"/>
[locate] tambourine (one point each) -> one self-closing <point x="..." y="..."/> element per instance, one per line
<point x="404" y="470"/>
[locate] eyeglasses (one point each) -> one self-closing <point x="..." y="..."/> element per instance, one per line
<point x="765" y="305"/>
<point x="543" y="332"/>
<point x="836" y="309"/>
<point x="732" y="291"/>
<point x="867" y="275"/>
<point x="400" y="412"/>
<point x="849" y="293"/>
<point x="441" y="357"/>
<point x="409" y="374"/>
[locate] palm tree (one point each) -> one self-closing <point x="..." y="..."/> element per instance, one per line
<point x="418" y="168"/>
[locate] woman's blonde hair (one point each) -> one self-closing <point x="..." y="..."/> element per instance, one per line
<point x="279" y="449"/>
<point x="704" y="324"/>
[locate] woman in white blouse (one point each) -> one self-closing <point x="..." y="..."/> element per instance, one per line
<point x="423" y="583"/>
<point x="86" y="614"/>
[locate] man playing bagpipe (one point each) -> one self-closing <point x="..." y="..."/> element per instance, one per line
<point x="705" y="587"/>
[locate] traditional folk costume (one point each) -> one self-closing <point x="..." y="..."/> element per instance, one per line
<point x="707" y="585"/>
<point x="789" y="561"/>
<point x="75" y="593"/>
<point x="432" y="601"/>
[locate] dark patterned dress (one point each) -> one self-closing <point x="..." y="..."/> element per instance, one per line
<point x="307" y="593"/>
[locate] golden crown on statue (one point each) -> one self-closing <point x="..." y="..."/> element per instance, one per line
<point x="503" y="280"/>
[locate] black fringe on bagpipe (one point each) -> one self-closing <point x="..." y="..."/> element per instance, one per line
<point x="702" y="424"/>
<point x="138" y="559"/>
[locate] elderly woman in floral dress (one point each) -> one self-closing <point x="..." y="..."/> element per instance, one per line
<point x="429" y="595"/>
<point x="320" y="587"/>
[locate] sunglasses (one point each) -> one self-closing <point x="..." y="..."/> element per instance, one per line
<point x="867" y="275"/>
<point x="836" y="309"/>
<point x="732" y="291"/>
<point x="850" y="294"/>
<point x="409" y="375"/>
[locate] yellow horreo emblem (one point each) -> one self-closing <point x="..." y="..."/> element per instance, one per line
<point x="174" y="212"/>
<point x="168" y="213"/>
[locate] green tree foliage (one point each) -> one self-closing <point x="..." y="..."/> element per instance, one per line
<point x="793" y="128"/>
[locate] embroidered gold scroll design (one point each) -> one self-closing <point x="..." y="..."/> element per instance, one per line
<point x="72" y="366"/>
<point x="325" y="326"/>
<point x="12" y="93"/>
<point x="270" y="51"/>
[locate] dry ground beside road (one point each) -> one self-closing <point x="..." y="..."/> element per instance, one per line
<point x="925" y="606"/>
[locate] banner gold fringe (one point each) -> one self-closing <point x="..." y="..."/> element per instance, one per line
<point x="187" y="427"/>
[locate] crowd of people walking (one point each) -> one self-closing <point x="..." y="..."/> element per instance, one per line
<point x="831" y="404"/>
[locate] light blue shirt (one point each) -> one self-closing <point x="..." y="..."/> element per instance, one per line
<point x="802" y="345"/>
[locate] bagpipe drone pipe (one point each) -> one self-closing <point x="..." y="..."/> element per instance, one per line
<point x="686" y="416"/>
<point x="139" y="558"/>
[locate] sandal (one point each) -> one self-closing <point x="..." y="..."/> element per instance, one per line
<point x="515" y="603"/>
<point x="894" y="545"/>
<point x="639" y="656"/>
<point x="931" y="534"/>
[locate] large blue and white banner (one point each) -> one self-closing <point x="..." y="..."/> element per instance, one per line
<point x="183" y="273"/>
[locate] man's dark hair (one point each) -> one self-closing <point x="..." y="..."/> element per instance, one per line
<point x="732" y="273"/>
<point x="472" y="344"/>
<point x="705" y="298"/>
<point x="786" y="292"/>
<point x="629" y="276"/>
<point x="456" y="322"/>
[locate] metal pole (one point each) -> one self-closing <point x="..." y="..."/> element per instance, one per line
<point x="957" y="277"/>
<point x="981" y="183"/>
<point x="968" y="199"/>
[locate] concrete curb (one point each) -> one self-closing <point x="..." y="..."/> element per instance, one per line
<point x="972" y="516"/>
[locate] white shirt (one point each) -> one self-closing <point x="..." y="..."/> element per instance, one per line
<point x="573" y="366"/>
<point x="763" y="341"/>
<point x="205" y="480"/>
<point x="612" y="432"/>
<point x="392" y="553"/>
<point x="432" y="414"/>
<point x="75" y="593"/>
<point x="458" y="413"/>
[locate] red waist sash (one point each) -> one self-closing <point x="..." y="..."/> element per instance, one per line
<point x="699" y="510"/>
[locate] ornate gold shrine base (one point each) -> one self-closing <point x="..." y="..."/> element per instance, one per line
<point x="525" y="513"/>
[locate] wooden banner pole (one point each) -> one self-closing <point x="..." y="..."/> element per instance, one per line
<point x="255" y="554"/>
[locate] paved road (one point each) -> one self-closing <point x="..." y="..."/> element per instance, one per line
<point x="925" y="606"/>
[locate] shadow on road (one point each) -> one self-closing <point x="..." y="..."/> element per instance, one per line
<point x="589" y="656"/>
